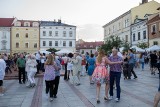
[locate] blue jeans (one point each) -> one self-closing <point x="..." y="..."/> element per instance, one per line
<point x="115" y="76"/>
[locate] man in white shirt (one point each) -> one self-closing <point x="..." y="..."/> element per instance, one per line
<point x="38" y="61"/>
<point x="2" y="74"/>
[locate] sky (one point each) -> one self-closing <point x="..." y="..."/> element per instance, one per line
<point x="88" y="15"/>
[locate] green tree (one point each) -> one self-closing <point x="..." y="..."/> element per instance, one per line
<point x="142" y="45"/>
<point x="52" y="50"/>
<point x="126" y="46"/>
<point x="112" y="41"/>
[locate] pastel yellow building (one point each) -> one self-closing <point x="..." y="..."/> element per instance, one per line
<point x="25" y="36"/>
<point x="121" y="26"/>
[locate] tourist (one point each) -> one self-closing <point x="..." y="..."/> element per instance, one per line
<point x="2" y="74"/>
<point x="125" y="65"/>
<point x="42" y="61"/>
<point x="101" y="75"/>
<point x="153" y="62"/>
<point x="131" y="62"/>
<point x="87" y="57"/>
<point x="83" y="71"/>
<point x="32" y="63"/>
<point x="115" y="73"/>
<point x="38" y="62"/>
<point x="141" y="60"/>
<point x="65" y="59"/>
<point x="69" y="66"/>
<point x="49" y="75"/>
<point x="21" y="68"/>
<point x="77" y="60"/>
<point x="57" y="76"/>
<point x="91" y="67"/>
<point x="27" y="70"/>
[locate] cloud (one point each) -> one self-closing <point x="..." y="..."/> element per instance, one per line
<point x="90" y="32"/>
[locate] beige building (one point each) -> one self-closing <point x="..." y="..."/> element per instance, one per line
<point x="120" y="26"/>
<point x="25" y="36"/>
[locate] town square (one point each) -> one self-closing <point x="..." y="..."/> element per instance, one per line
<point x="80" y="53"/>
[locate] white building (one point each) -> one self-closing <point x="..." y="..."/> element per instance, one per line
<point x="139" y="32"/>
<point x="57" y="35"/>
<point x="5" y="34"/>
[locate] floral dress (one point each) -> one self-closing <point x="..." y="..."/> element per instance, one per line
<point x="100" y="74"/>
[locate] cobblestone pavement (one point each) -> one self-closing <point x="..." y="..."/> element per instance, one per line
<point x="135" y="93"/>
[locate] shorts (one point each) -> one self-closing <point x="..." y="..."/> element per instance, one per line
<point x="1" y="83"/>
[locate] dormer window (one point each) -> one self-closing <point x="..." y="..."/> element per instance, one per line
<point x="35" y="24"/>
<point x="27" y="24"/>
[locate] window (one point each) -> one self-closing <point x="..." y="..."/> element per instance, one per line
<point x="4" y="35"/>
<point x="144" y="34"/>
<point x="70" y="33"/>
<point x="35" y="45"/>
<point x="44" y="43"/>
<point x="56" y="43"/>
<point x="26" y="45"/>
<point x="153" y="29"/>
<point x="50" y="33"/>
<point x="134" y="37"/>
<point x="17" y="45"/>
<point x="50" y="43"/>
<point x="56" y="33"/>
<point x="44" y="33"/>
<point x="126" y="38"/>
<point x="155" y="43"/>
<point x="26" y="35"/>
<point x="113" y="29"/>
<point x="119" y="26"/>
<point x="64" y="33"/>
<point x="17" y="35"/>
<point x="109" y="31"/>
<point x="64" y="43"/>
<point x="70" y="43"/>
<point x="139" y="35"/>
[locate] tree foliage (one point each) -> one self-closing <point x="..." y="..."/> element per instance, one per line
<point x="52" y="50"/>
<point x="142" y="45"/>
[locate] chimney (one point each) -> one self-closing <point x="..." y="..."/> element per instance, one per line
<point x="144" y="1"/>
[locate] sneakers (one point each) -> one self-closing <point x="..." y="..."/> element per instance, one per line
<point x="111" y="97"/>
<point x="117" y="99"/>
<point x="51" y="99"/>
<point x="1" y="95"/>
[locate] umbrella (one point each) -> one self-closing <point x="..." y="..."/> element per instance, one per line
<point x="63" y="51"/>
<point x="138" y="49"/>
<point x="153" y="48"/>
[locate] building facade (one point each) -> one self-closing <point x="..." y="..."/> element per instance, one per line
<point x="120" y="26"/>
<point x="25" y="36"/>
<point x="139" y="32"/>
<point x="154" y="30"/>
<point x="5" y="34"/>
<point x="90" y="47"/>
<point x="57" y="35"/>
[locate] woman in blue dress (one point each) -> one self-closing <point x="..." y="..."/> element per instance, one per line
<point x="91" y="66"/>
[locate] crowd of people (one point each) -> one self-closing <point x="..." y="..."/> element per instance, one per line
<point x="100" y="67"/>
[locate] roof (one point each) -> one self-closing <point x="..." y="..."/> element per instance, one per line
<point x="6" y="22"/>
<point x="114" y="20"/>
<point x="156" y="18"/>
<point x="54" y="23"/>
<point x="89" y="45"/>
<point x="22" y="22"/>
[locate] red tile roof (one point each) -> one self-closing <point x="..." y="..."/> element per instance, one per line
<point x="6" y="22"/>
<point x="156" y="18"/>
<point x="89" y="45"/>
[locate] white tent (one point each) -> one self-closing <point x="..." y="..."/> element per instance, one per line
<point x="121" y="49"/>
<point x="153" y="48"/>
<point x="63" y="51"/>
<point x="43" y="51"/>
<point x="138" y="49"/>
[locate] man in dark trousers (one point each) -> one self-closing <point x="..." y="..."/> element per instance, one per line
<point x="153" y="62"/>
<point x="21" y="68"/>
<point x="65" y="59"/>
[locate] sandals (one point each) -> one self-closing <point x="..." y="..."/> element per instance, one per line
<point x="106" y="98"/>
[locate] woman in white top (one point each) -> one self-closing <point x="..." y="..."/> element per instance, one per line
<point x="42" y="59"/>
<point x="69" y="65"/>
<point x="28" y="57"/>
<point x="32" y="63"/>
<point x="2" y="74"/>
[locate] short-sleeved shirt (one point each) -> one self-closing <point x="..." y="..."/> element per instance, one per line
<point x="21" y="62"/>
<point x="153" y="58"/>
<point x="131" y="59"/>
<point x="115" y="67"/>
